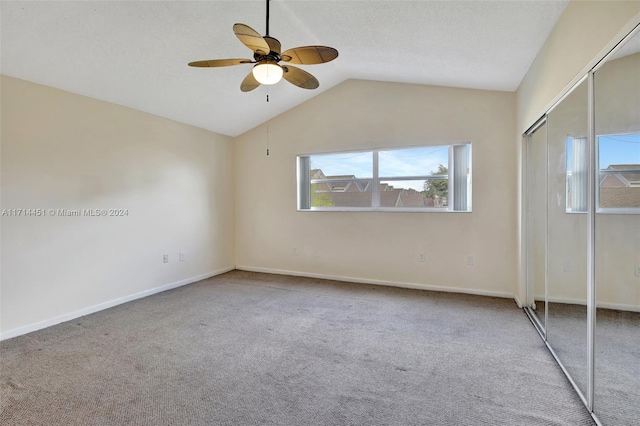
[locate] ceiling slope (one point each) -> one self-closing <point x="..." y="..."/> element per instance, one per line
<point x="135" y="53"/>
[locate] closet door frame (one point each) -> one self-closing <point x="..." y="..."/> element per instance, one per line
<point x="592" y="182"/>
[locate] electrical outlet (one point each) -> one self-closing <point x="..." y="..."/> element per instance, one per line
<point x="469" y="260"/>
<point x="421" y="257"/>
<point x="294" y="251"/>
<point x="165" y="258"/>
<point x="638" y="270"/>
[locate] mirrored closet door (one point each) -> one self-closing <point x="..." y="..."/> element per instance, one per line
<point x="536" y="221"/>
<point x="582" y="234"/>
<point x="567" y="162"/>
<point x="617" y="237"/>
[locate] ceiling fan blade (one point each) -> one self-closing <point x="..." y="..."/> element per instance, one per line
<point x="299" y="77"/>
<point x="220" y="62"/>
<point x="249" y="83"/>
<point x="251" y="38"/>
<point x="309" y="55"/>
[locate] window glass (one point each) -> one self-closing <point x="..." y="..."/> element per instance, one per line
<point x="414" y="193"/>
<point x="341" y="180"/>
<point x="413" y="161"/>
<point x="619" y="177"/>
<point x="417" y="178"/>
<point x="350" y="164"/>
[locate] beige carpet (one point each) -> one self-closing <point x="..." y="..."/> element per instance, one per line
<point x="256" y="349"/>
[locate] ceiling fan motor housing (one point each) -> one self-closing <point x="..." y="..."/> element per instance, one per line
<point x="275" y="50"/>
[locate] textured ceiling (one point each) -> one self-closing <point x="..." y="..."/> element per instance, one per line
<point x="135" y="53"/>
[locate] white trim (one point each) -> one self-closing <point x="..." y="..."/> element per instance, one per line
<point x="593" y="193"/>
<point x="376" y="179"/>
<point x="518" y="302"/>
<point x="385" y="148"/>
<point x="599" y="305"/>
<point x="617" y="47"/>
<point x="618" y="210"/>
<point x="541" y="121"/>
<point x="415" y="286"/>
<point x="106" y="305"/>
<point x="384" y="209"/>
<point x="523" y="206"/>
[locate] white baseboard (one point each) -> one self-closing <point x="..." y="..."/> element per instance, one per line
<point x="106" y="305"/>
<point x="415" y="286"/>
<point x="603" y="305"/>
<point x="517" y="299"/>
<point x="619" y="307"/>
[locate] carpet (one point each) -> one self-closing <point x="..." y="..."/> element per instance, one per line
<point x="257" y="349"/>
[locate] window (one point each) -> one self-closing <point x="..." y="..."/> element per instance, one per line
<point x="427" y="178"/>
<point x="577" y="174"/>
<point x="618" y="174"/>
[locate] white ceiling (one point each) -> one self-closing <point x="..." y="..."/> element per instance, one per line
<point x="135" y="53"/>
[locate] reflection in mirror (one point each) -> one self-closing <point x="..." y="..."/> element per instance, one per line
<point x="536" y="166"/>
<point x="617" y="341"/>
<point x="567" y="132"/>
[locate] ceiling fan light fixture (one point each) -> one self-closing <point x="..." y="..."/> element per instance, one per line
<point x="266" y="55"/>
<point x="268" y="72"/>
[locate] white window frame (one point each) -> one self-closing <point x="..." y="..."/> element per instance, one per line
<point x="579" y="168"/>
<point x="304" y="183"/>
<point x="600" y="174"/>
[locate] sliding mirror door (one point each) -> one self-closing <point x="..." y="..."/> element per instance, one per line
<point x="617" y="237"/>
<point x="536" y="220"/>
<point x="567" y="172"/>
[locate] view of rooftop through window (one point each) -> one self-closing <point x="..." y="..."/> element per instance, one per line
<point x="359" y="164"/>
<point x="619" y="172"/>
<point x="392" y="163"/>
<point x="415" y="177"/>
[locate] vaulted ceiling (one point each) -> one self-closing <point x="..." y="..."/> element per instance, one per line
<point x="135" y="53"/>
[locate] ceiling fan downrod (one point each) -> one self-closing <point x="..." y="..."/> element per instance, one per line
<point x="267" y="34"/>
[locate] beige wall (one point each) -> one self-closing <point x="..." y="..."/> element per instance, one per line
<point x="64" y="151"/>
<point x="617" y="106"/>
<point x="584" y="34"/>
<point x="617" y="97"/>
<point x="383" y="246"/>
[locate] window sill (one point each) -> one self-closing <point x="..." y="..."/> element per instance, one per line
<point x="382" y="209"/>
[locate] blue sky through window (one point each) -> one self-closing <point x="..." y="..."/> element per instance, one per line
<point x="614" y="149"/>
<point x="619" y="149"/>
<point x="412" y="161"/>
<point x="359" y="164"/>
<point x="419" y="161"/>
<point x="392" y="163"/>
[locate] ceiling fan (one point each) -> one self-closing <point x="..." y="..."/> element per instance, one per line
<point x="267" y="54"/>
